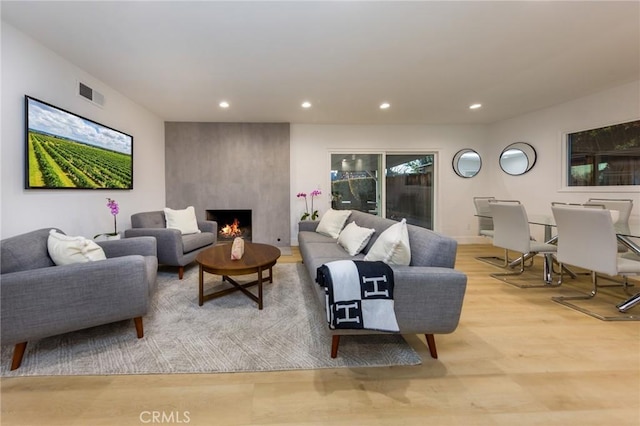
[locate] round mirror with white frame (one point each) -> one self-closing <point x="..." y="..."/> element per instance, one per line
<point x="518" y="158"/>
<point x="467" y="163"/>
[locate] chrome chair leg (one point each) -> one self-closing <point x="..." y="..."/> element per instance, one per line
<point x="548" y="268"/>
<point x="547" y="277"/>
<point x="569" y="271"/>
<point x="626" y="305"/>
<point x="525" y="257"/>
<point x="495" y="260"/>
<point x="629" y="303"/>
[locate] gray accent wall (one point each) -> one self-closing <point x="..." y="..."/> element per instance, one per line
<point x="232" y="166"/>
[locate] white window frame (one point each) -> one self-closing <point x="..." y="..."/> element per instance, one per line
<point x="564" y="165"/>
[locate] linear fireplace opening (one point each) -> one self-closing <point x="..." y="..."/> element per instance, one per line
<point x="232" y="223"/>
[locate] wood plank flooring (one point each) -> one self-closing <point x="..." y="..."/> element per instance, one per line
<point x="516" y="358"/>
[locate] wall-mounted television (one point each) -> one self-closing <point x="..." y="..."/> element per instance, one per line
<point x="67" y="151"/>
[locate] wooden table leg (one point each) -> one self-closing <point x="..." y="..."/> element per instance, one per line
<point x="259" y="288"/>
<point x="201" y="286"/>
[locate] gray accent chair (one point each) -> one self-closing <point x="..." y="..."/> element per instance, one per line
<point x="39" y="299"/>
<point x="174" y="249"/>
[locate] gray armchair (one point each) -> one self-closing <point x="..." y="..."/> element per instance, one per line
<point x="174" y="249"/>
<point x="39" y="299"/>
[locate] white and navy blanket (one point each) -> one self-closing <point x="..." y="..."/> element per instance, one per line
<point x="359" y="295"/>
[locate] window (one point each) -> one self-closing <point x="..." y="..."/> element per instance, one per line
<point x="395" y="186"/>
<point x="355" y="183"/>
<point x="409" y="188"/>
<point x="606" y="156"/>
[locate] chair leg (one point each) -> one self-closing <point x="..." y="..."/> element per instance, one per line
<point x="502" y="262"/>
<point x="139" y="330"/>
<point x="431" y="343"/>
<point x="622" y="307"/>
<point x="335" y="342"/>
<point x="180" y="272"/>
<point x="629" y="303"/>
<point x="547" y="280"/>
<point x="18" y="353"/>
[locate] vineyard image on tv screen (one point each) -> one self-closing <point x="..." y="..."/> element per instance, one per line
<point x="67" y="151"/>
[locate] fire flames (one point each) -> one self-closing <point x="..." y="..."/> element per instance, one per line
<point x="233" y="230"/>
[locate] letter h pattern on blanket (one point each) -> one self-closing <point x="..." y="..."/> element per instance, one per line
<point x="359" y="295"/>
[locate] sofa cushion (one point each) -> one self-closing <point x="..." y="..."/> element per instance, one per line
<point x="332" y="222"/>
<point x="314" y="237"/>
<point x="25" y="252"/>
<point x="193" y="242"/>
<point x="183" y="220"/>
<point x="153" y="219"/>
<point x="368" y="220"/>
<point x="65" y="250"/>
<point x="354" y="238"/>
<point x="392" y="246"/>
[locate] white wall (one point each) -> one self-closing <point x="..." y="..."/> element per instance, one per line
<point x="310" y="164"/>
<point x="545" y="130"/>
<point x="454" y="210"/>
<point x="30" y="68"/>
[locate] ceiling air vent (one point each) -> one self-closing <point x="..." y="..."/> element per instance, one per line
<point x="91" y="95"/>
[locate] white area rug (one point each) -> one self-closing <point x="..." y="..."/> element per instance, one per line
<point x="228" y="334"/>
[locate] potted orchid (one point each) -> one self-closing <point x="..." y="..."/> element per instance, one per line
<point x="314" y="213"/>
<point x="115" y="209"/>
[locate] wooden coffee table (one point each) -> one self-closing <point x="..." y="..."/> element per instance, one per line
<point x="256" y="259"/>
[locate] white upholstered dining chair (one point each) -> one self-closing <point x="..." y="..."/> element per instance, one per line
<point x="587" y="239"/>
<point x="621" y="209"/>
<point x="485" y="222"/>
<point x="622" y="206"/>
<point x="511" y="232"/>
<point x="485" y="228"/>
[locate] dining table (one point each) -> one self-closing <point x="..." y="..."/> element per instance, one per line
<point x="627" y="234"/>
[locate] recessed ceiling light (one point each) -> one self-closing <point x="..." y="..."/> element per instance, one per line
<point x="385" y="105"/>
<point x="306" y="104"/>
<point x="475" y="106"/>
<point x="224" y="104"/>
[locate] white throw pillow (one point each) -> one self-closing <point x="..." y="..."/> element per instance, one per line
<point x="332" y="222"/>
<point x="354" y="238"/>
<point x="65" y="250"/>
<point x="183" y="220"/>
<point x="392" y="246"/>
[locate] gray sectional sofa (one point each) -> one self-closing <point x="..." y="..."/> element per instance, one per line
<point x="428" y="293"/>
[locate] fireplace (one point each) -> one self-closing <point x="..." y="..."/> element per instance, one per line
<point x="231" y="224"/>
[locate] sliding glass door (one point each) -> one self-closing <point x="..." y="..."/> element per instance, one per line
<point x="355" y="182"/>
<point x="391" y="185"/>
<point x="409" y="188"/>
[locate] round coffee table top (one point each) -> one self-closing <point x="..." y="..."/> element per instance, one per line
<point x="217" y="259"/>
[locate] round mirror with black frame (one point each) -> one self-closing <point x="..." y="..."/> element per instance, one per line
<point x="467" y="163"/>
<point x="518" y="158"/>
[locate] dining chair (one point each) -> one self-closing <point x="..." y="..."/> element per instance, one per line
<point x="587" y="239"/>
<point x="512" y="232"/>
<point x="622" y="207"/>
<point x="620" y="216"/>
<point x="485" y="222"/>
<point x="485" y="228"/>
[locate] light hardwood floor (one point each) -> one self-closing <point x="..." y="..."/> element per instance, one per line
<point x="516" y="358"/>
